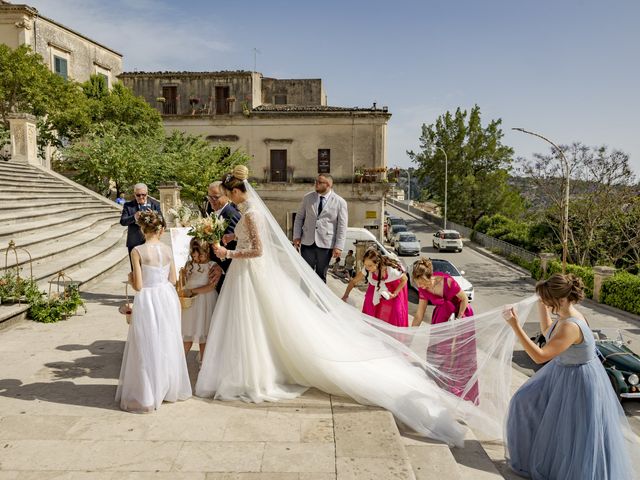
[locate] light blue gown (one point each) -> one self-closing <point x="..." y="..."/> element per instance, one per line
<point x="566" y="423"/>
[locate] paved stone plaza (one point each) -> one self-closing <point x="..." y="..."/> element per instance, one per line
<point x="58" y="419"/>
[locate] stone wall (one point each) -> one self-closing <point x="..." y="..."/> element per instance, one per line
<point x="21" y="24"/>
<point x="354" y="139"/>
<point x="295" y="92"/>
<point x="192" y="84"/>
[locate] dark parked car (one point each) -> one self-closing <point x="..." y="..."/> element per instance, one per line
<point x="620" y="362"/>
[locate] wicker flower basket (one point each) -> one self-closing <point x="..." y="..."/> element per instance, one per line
<point x="126" y="308"/>
<point x="185" y="301"/>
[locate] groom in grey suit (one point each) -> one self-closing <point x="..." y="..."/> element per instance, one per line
<point x="320" y="227"/>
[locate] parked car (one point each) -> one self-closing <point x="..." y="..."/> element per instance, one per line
<point x="447" y="240"/>
<point x="406" y="243"/>
<point x="620" y="362"/>
<point x="355" y="234"/>
<point x="445" y="266"/>
<point x="394" y="230"/>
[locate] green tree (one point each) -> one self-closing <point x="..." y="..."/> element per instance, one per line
<point x="115" y="154"/>
<point x="28" y="86"/>
<point x="194" y="163"/>
<point x="603" y="207"/>
<point x="478" y="166"/>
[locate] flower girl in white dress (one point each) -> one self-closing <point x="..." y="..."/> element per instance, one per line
<point x="197" y="318"/>
<point x="153" y="365"/>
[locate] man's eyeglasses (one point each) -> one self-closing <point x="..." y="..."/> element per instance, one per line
<point x="214" y="197"/>
<point x="322" y="182"/>
<point x="140" y="195"/>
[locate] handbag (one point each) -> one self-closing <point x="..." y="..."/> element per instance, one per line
<point x="126" y="308"/>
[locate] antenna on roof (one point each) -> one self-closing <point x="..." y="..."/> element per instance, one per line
<point x="255" y="58"/>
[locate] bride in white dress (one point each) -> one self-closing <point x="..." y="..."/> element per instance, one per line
<point x="278" y="329"/>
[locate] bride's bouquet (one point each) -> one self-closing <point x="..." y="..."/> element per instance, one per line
<point x="209" y="229"/>
<point x="183" y="215"/>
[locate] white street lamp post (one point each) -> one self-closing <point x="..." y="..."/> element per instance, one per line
<point x="446" y="180"/>
<point x="565" y="219"/>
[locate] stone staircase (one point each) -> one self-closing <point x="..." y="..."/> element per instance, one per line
<point x="64" y="226"/>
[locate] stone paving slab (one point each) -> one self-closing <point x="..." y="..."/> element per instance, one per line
<point x="59" y="419"/>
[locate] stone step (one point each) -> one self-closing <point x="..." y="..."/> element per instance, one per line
<point x="37" y="196"/>
<point x="42" y="189"/>
<point x="17" y="167"/>
<point x="44" y="233"/>
<point x="50" y="250"/>
<point x="78" y="209"/>
<point x="32" y="182"/>
<point x="82" y="257"/>
<point x="30" y="227"/>
<point x="368" y="443"/>
<point x="26" y="207"/>
<point x="12" y="313"/>
<point x="35" y="174"/>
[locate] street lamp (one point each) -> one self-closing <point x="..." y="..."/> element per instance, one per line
<point x="565" y="219"/>
<point x="446" y="176"/>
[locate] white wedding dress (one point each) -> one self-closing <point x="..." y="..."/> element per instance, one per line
<point x="277" y="330"/>
<point x="154" y="368"/>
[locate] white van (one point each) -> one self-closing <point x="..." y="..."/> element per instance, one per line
<point x="354" y="234"/>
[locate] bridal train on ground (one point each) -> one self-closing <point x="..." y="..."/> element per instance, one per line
<point x="278" y="329"/>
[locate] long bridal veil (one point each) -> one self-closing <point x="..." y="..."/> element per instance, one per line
<point x="423" y="375"/>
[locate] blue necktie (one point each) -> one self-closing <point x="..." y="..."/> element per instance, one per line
<point x="320" y="206"/>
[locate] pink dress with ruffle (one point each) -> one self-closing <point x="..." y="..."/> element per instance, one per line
<point x="394" y="311"/>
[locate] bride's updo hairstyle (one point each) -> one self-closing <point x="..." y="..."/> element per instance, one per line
<point x="150" y="222"/>
<point x="559" y="286"/>
<point x="236" y="179"/>
<point x="422" y="268"/>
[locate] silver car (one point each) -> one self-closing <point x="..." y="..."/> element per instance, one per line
<point x="445" y="266"/>
<point x="406" y="243"/>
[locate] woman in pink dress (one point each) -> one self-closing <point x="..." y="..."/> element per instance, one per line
<point x="387" y="297"/>
<point x="457" y="356"/>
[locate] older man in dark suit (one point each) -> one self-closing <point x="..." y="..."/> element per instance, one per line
<point x="218" y="204"/>
<point x="131" y="211"/>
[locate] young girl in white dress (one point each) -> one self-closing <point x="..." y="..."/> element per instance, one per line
<point x="153" y="365"/>
<point x="197" y="318"/>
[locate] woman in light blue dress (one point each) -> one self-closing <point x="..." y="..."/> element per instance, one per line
<point x="565" y="422"/>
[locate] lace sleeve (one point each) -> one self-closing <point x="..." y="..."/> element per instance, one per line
<point x="254" y="249"/>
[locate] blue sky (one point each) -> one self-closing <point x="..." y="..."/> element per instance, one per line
<point x="567" y="69"/>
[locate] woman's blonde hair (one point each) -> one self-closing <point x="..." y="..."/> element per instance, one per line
<point x="236" y="178"/>
<point x="558" y="286"/>
<point x="422" y="268"/>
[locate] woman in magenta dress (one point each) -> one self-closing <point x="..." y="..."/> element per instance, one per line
<point x="387" y="297"/>
<point x="457" y="356"/>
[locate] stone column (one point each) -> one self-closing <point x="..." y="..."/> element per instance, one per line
<point x="600" y="274"/>
<point x="24" y="148"/>
<point x="545" y="259"/>
<point x="361" y="247"/>
<point x="169" y="198"/>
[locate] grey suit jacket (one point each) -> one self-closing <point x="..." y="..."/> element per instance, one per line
<point x="329" y="230"/>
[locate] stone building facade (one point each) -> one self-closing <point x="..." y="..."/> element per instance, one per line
<point x="288" y="130"/>
<point x="66" y="52"/>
